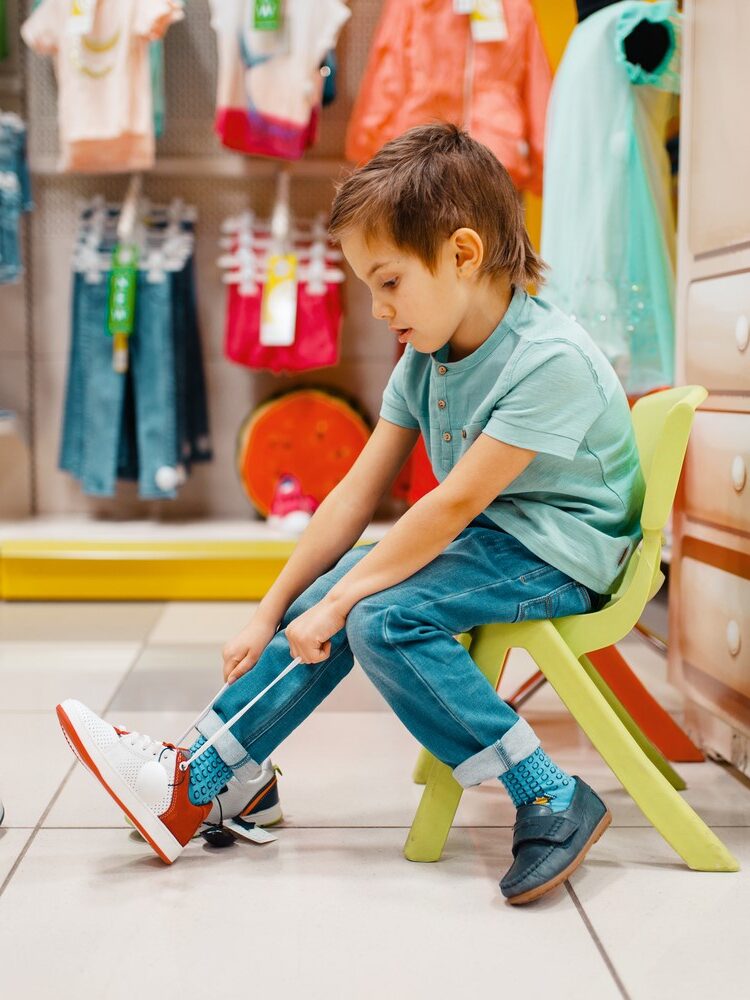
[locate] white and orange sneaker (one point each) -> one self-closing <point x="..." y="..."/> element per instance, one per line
<point x="143" y="776"/>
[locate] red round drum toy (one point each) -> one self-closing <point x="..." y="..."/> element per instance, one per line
<point x="313" y="434"/>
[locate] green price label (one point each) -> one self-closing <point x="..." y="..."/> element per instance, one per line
<point x="122" y="284"/>
<point x="267" y="15"/>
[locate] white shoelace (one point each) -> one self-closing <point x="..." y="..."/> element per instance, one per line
<point x="185" y="764"/>
<point x="143" y="743"/>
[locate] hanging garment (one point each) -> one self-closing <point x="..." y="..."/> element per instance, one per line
<point x="269" y="87"/>
<point x="149" y="423"/>
<point x="104" y="78"/>
<point x="316" y="335"/>
<point x="608" y="231"/>
<point x="424" y="65"/>
<point x="15" y="194"/>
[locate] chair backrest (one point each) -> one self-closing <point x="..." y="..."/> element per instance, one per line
<point x="662" y="423"/>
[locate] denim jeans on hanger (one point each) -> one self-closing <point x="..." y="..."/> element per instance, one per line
<point x="120" y="424"/>
<point x="152" y="362"/>
<point x="403" y="639"/>
<point x="191" y="392"/>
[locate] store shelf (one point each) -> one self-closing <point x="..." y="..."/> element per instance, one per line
<point x="59" y="560"/>
<point x="229" y="166"/>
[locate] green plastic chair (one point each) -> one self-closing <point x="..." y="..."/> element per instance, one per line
<point x="662" y="426"/>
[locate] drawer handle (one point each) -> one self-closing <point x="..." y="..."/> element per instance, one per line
<point x="742" y="332"/>
<point x="739" y="473"/>
<point x="734" y="639"/>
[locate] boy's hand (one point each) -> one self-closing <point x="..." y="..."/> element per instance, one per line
<point x="243" y="652"/>
<point x="309" y="634"/>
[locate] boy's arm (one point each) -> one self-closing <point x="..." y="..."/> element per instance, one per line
<point x="341" y="518"/>
<point x="421" y="534"/>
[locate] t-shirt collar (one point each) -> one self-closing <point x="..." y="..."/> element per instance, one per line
<point x="506" y="324"/>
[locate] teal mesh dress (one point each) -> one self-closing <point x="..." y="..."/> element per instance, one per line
<point x="608" y="229"/>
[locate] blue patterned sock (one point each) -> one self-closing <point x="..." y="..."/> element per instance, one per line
<point x="208" y="774"/>
<point x="538" y="779"/>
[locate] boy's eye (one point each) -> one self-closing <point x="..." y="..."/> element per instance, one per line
<point x="391" y="283"/>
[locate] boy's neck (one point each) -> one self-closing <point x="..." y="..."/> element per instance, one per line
<point x="488" y="306"/>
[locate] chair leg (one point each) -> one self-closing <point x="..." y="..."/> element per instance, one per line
<point x="678" y="824"/>
<point x="422" y="768"/>
<point x="442" y="793"/>
<point x="632" y="727"/>
<point x="425" y="759"/>
<point x="655" y="722"/>
<point x="434" y="817"/>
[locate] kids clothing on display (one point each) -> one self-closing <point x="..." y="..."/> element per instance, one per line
<point x="538" y="382"/>
<point x="425" y="65"/>
<point x="104" y="79"/>
<point x="608" y="230"/>
<point x="15" y="194"/>
<point x="269" y="87"/>
<point x="150" y="423"/>
<point x="316" y="335"/>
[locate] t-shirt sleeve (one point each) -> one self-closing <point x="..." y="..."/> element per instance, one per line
<point x="394" y="407"/>
<point x="41" y="31"/>
<point x="153" y="17"/>
<point x="553" y="397"/>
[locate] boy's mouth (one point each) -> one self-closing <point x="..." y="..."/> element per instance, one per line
<point x="403" y="334"/>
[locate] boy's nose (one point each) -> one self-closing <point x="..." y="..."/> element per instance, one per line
<point x="380" y="310"/>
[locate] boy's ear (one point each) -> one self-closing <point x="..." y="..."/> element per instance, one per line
<point x="468" y="251"/>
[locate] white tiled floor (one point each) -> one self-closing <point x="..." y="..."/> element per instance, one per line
<point x="331" y="909"/>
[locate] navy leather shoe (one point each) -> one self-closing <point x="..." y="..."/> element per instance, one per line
<point x="548" y="847"/>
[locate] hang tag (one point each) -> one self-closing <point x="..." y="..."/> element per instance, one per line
<point x="463" y="6"/>
<point x="267" y="15"/>
<point x="278" y="311"/>
<point x="122" y="284"/>
<point x="249" y="831"/>
<point x="488" y="21"/>
<point x="81" y="17"/>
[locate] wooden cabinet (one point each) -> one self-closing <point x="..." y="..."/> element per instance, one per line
<point x="709" y="595"/>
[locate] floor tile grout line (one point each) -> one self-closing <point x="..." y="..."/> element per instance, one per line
<point x="40" y="822"/>
<point x="597" y="941"/>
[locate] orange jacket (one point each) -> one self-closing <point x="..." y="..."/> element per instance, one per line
<point x="424" y="66"/>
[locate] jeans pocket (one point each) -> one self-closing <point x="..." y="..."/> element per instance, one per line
<point x="571" y="598"/>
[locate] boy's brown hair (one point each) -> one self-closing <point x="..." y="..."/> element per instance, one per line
<point x="427" y="183"/>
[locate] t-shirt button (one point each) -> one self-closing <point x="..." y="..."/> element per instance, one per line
<point x="447" y="436"/>
<point x="442" y="370"/>
<point x="441" y="404"/>
<point x="463" y="433"/>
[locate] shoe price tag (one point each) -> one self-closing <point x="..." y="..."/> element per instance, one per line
<point x="267" y="15"/>
<point x="488" y="21"/>
<point x="256" y="834"/>
<point x="278" y="310"/>
<point x="463" y="6"/>
<point x="81" y="17"/>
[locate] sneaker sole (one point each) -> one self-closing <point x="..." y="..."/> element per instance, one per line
<point x="540" y="890"/>
<point x="151" y="829"/>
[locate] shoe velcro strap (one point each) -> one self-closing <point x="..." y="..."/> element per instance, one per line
<point x="551" y="828"/>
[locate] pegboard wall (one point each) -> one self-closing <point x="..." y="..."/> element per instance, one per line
<point x="191" y="164"/>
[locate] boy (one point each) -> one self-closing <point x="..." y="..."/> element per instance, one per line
<point x="538" y="506"/>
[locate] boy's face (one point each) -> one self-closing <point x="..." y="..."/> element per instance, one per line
<point x="421" y="308"/>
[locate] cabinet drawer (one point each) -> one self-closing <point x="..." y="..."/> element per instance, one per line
<point x="718" y="333"/>
<point x="714" y="623"/>
<point x="717" y="470"/>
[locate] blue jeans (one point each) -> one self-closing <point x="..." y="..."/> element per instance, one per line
<point x="403" y="639"/>
<point x="153" y="416"/>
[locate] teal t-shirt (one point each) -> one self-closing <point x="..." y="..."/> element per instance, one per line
<point x="538" y="382"/>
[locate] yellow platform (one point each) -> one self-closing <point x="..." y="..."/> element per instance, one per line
<point x="38" y="570"/>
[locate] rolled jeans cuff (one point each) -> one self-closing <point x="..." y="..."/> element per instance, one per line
<point x="518" y="743"/>
<point x="229" y="748"/>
